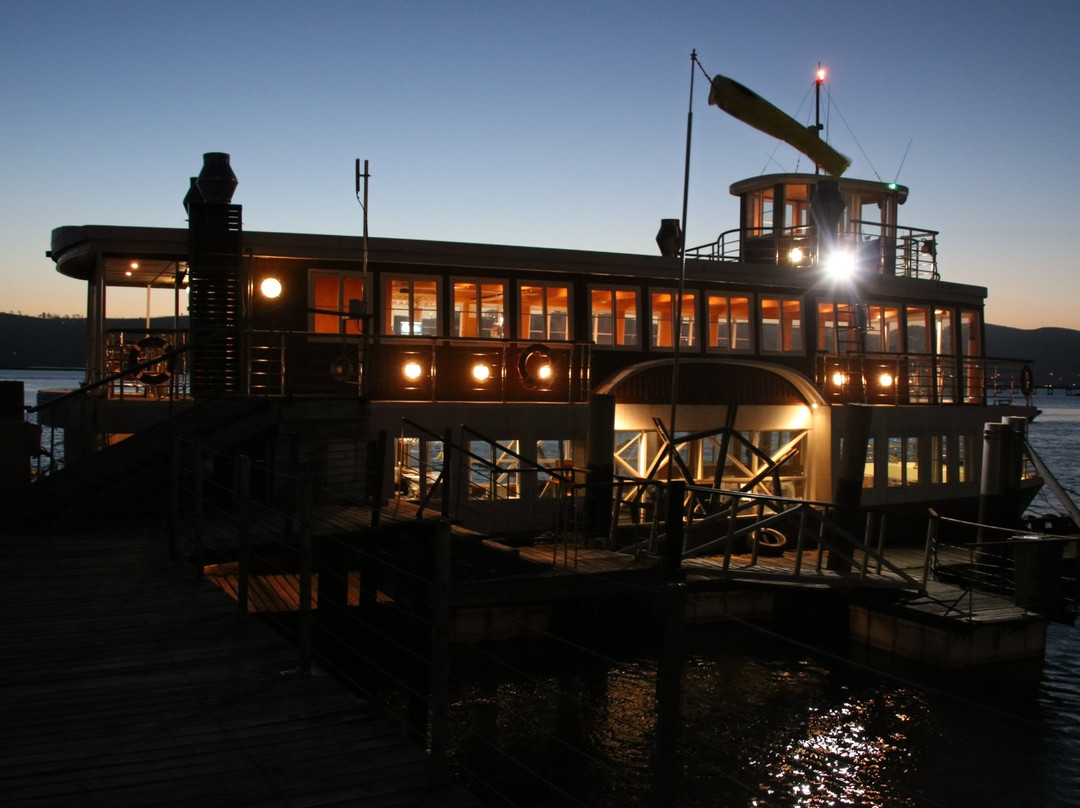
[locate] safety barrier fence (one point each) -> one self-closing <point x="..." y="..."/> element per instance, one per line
<point x="1031" y="568"/>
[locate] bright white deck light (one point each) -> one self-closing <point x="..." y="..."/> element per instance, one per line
<point x="270" y="287"/>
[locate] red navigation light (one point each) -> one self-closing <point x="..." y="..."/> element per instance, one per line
<point x="820" y="75"/>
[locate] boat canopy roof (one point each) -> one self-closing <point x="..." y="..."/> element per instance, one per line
<point x="865" y="188"/>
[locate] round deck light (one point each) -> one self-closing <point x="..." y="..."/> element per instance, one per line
<point x="795" y="255"/>
<point x="481" y="372"/>
<point x="412" y="371"/>
<point x="885" y="380"/>
<point x="270" y="288"/>
<point x="839" y="379"/>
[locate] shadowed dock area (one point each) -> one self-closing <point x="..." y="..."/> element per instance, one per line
<point x="126" y="681"/>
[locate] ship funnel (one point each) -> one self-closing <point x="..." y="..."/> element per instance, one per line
<point x="669" y="238"/>
<point x="216" y="182"/>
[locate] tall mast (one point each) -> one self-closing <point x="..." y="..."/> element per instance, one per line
<point x="820" y="78"/>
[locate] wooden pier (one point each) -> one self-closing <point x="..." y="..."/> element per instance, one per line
<point x="124" y="680"/>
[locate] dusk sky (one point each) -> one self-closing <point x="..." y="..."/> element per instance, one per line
<point x="553" y="124"/>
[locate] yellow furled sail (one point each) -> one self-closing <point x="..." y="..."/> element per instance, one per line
<point x="749" y="107"/>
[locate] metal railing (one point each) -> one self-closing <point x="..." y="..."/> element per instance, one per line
<point x="892" y="378"/>
<point x="887" y="250"/>
<point x="1027" y="567"/>
<point x="721" y="523"/>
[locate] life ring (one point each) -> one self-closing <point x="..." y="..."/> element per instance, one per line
<point x="1027" y="381"/>
<point x="770" y="541"/>
<point x="536" y="367"/>
<point x="152" y="348"/>
<point x="341" y="369"/>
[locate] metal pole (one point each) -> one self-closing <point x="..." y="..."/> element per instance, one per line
<point x="676" y="336"/>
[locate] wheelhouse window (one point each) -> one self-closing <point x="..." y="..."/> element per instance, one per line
<point x="331" y="294"/>
<point x="781" y="325"/>
<point x="729" y="323"/>
<point x="545" y="312"/>
<point x="411" y="307"/>
<point x="613" y="316"/>
<point x="665" y="321"/>
<point x="479" y="310"/>
<point x="760" y="211"/>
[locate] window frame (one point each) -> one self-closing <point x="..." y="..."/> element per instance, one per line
<point x="613" y="290"/>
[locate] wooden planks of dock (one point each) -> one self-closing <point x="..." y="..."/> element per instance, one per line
<point x="124" y="680"/>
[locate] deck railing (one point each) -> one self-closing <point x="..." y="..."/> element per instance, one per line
<point x="878" y="249"/>
<point x="892" y="378"/>
<point x="1029" y="566"/>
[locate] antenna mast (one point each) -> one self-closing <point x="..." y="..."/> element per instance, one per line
<point x="819" y="80"/>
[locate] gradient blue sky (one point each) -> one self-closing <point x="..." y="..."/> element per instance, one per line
<point x="557" y="124"/>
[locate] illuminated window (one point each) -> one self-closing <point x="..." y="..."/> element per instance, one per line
<point x="555" y="455"/>
<point x="883" y="329"/>
<point x="331" y="293"/>
<point x="918" y="330"/>
<point x="972" y="366"/>
<point x="410" y="307"/>
<point x="836" y="328"/>
<point x="911" y="460"/>
<point x="663" y="318"/>
<point x="970" y="334"/>
<point x="493" y="470"/>
<point x="729" y="322"/>
<point x="613" y="316"/>
<point x="479" y="310"/>
<point x="903" y="461"/>
<point x="545" y="312"/>
<point x="962" y="458"/>
<point x="781" y="325"/>
<point x="943" y="328"/>
<point x="939" y="459"/>
<point x="868" y="465"/>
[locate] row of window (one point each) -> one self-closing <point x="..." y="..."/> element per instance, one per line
<point x="901" y="463"/>
<point x="543" y="311"/>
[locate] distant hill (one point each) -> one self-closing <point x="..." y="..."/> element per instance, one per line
<point x="1054" y="353"/>
<point x="55" y="342"/>
<point x="60" y="342"/>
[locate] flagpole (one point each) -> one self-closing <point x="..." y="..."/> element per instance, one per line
<point x="677" y="315"/>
